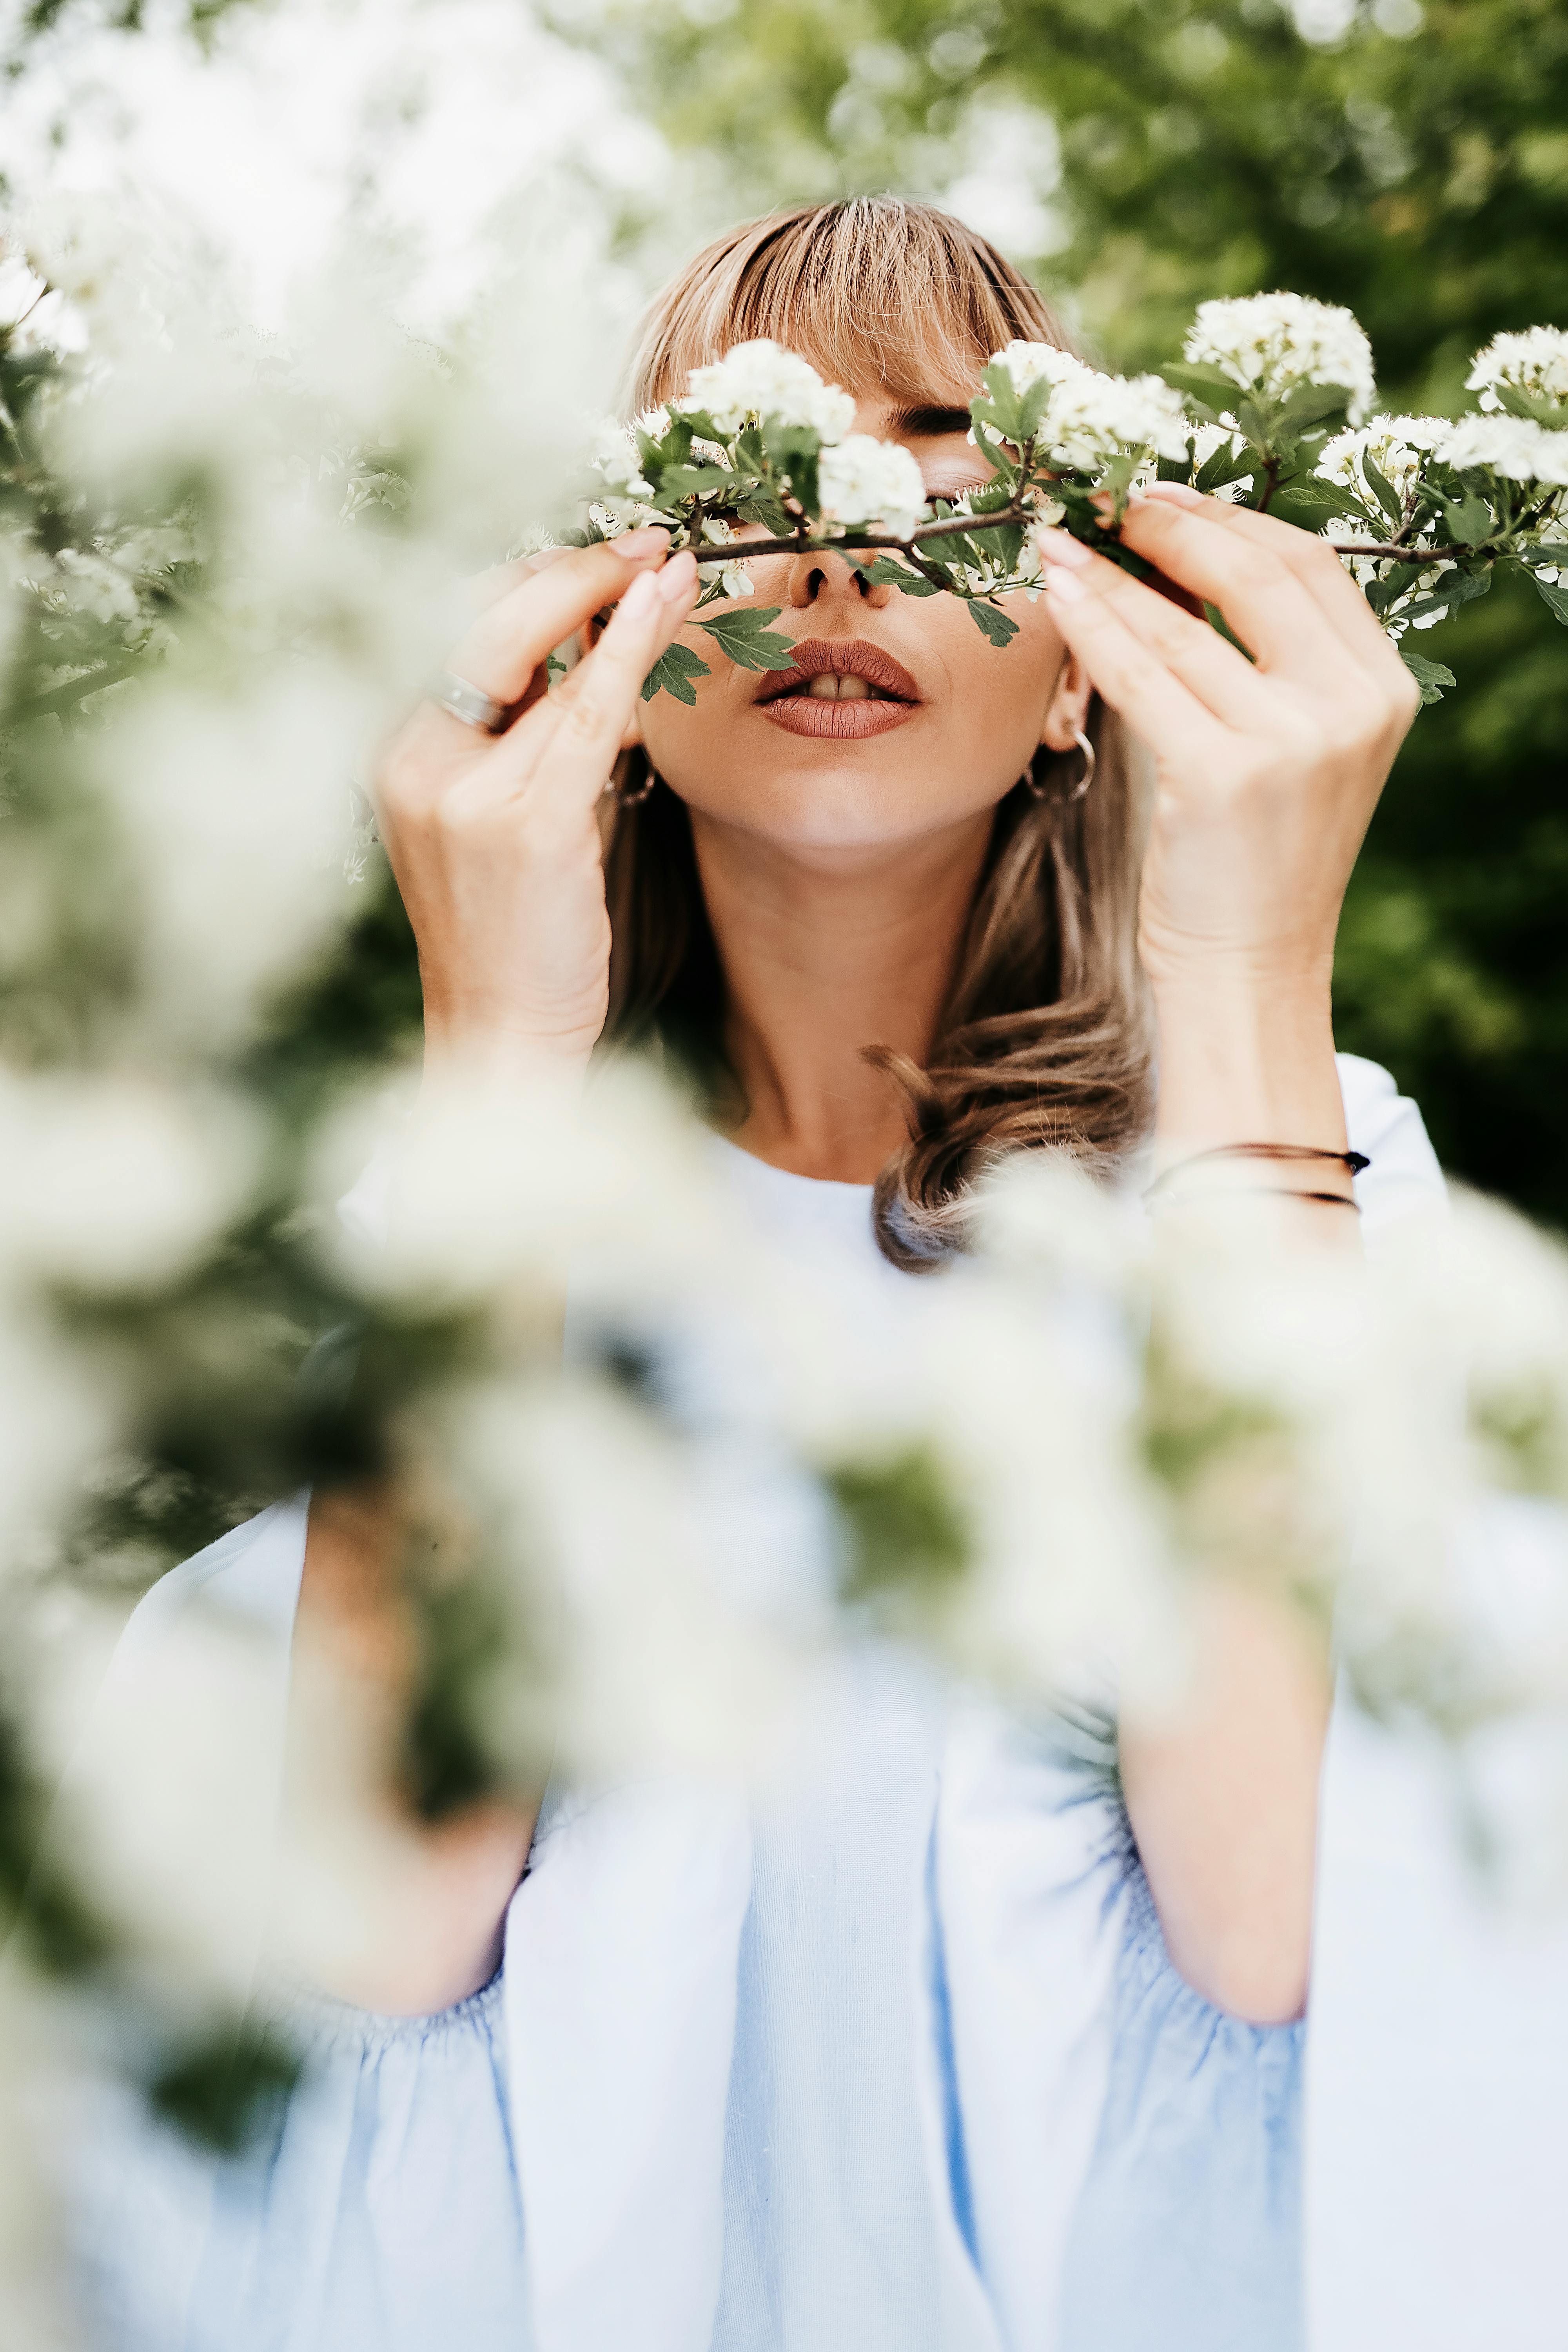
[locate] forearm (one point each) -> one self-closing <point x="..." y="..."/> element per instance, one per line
<point x="438" y="1892"/>
<point x="1223" y="1797"/>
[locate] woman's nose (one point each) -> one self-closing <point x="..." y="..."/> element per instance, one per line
<point x="825" y="578"/>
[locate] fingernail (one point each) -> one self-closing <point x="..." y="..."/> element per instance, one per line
<point x="1060" y="547"/>
<point x="641" y="596"/>
<point x="675" y="581"/>
<point x="635" y="544"/>
<point x="1180" y="494"/>
<point x="1065" y="587"/>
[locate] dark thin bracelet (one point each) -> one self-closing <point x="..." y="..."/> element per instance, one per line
<point x="1354" y="1160"/>
<point x="1233" y="1191"/>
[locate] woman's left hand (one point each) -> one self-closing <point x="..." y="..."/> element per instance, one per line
<point x="1268" y="770"/>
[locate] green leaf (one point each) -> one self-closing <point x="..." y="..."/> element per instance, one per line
<point x="1311" y="505"/>
<point x="1002" y="410"/>
<point x="1258" y="428"/>
<point x="746" y="637"/>
<point x="1202" y="380"/>
<point x="1458" y="588"/>
<point x="672" y="673"/>
<point x="1541" y="412"/>
<point x="678" y="482"/>
<point x="1557" y="556"/>
<point x="887" y="573"/>
<point x="1430" y="676"/>
<point x="554" y="667"/>
<point x="1382" y="488"/>
<point x="1554" y="598"/>
<point x="1468" y="519"/>
<point x="1309" y="403"/>
<point x="992" y="624"/>
<point x="1225" y="465"/>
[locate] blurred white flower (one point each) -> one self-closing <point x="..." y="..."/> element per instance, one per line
<point x="169" y="1809"/>
<point x="1515" y="447"/>
<point x="487" y="1186"/>
<point x="1534" y="362"/>
<point x="236" y="819"/>
<point x="627" y="1589"/>
<point x="111" y="1182"/>
<point x="37" y="2307"/>
<point x="761" y="380"/>
<point x="865" y="482"/>
<point x="59" y="1412"/>
<point x="1270" y="344"/>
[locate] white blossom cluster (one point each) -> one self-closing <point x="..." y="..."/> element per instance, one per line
<point x="1398" y="447"/>
<point x="34" y="316"/>
<point x="761" y="380"/>
<point x="1091" y="416"/>
<point x="617" y="458"/>
<point x="866" y="483"/>
<point x="1270" y="344"/>
<point x="736" y="579"/>
<point x="1514" y="447"/>
<point x="1534" y="362"/>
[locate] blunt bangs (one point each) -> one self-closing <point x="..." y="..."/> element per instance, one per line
<point x="878" y="292"/>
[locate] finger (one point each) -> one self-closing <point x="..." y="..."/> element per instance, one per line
<point x="578" y="735"/>
<point x="1223" y="679"/>
<point x="507" y="643"/>
<point x="1309" y="556"/>
<point x="487" y="588"/>
<point x="1128" y="673"/>
<point x="1264" y="599"/>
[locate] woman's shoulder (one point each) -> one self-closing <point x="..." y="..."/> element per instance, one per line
<point x="250" y="1574"/>
<point x="1387" y="1126"/>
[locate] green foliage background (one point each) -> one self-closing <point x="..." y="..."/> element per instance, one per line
<point x="1415" y="167"/>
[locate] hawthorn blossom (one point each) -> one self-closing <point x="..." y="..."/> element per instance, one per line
<point x="1398" y="447"/>
<point x="1534" y="362"/>
<point x="1270" y="344"/>
<point x="1514" y="447"/>
<point x="761" y="380"/>
<point x="1092" y="418"/>
<point x="736" y="579"/>
<point x="866" y="481"/>
<point x="617" y="458"/>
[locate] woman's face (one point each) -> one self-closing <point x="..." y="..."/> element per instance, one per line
<point x="902" y="721"/>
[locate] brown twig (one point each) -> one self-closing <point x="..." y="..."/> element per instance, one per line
<point x="738" y="550"/>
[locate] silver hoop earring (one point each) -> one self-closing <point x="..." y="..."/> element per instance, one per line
<point x="1066" y="800"/>
<point x="639" y="793"/>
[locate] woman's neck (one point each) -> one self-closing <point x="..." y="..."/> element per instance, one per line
<point x="825" y="954"/>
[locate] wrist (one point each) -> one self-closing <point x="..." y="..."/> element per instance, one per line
<point x="483" y="1051"/>
<point x="1244" y="1058"/>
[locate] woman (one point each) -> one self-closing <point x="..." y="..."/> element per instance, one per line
<point x="983" y="2040"/>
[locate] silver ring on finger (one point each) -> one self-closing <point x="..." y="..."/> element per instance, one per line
<point x="467" y="703"/>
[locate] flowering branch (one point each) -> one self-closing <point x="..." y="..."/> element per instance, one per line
<point x="1268" y="408"/>
<point x="803" y="542"/>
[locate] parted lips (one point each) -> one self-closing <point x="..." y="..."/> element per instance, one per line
<point x="842" y="657"/>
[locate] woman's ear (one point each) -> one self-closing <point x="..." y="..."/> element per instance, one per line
<point x="1069" y="705"/>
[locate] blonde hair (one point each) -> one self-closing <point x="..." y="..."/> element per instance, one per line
<point x="1044" y="1039"/>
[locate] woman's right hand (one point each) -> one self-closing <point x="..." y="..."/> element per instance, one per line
<point x="494" y="839"/>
